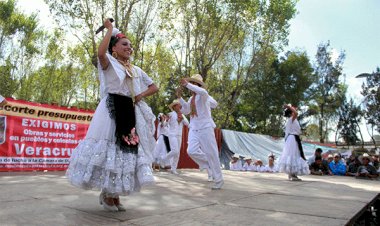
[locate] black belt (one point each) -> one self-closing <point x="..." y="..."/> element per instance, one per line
<point x="167" y="143"/>
<point x="298" y="139"/>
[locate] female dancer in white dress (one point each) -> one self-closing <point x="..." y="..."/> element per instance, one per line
<point x="292" y="160"/>
<point x="162" y="147"/>
<point x="116" y="154"/>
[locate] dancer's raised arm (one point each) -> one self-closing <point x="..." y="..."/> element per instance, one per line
<point x="293" y="110"/>
<point x="196" y="89"/>
<point x="103" y="47"/>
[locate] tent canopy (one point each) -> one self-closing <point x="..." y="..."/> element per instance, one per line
<point x="257" y="146"/>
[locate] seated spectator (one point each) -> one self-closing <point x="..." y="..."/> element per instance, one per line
<point x="351" y="159"/>
<point x="375" y="161"/>
<point x="342" y="160"/>
<point x="318" y="168"/>
<point x="259" y="167"/>
<point x="336" y="166"/>
<point x="353" y="167"/>
<point x="248" y="165"/>
<point x="366" y="170"/>
<point x="330" y="158"/>
<point x="235" y="164"/>
<point x="271" y="167"/>
<point x="317" y="152"/>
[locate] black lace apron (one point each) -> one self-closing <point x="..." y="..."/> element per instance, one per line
<point x="122" y="110"/>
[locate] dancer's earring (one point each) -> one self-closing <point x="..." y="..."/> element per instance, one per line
<point x="114" y="54"/>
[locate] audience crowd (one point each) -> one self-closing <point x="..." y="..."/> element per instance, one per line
<point x="248" y="164"/>
<point x="364" y="166"/>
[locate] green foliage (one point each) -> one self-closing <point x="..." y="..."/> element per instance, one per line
<point x="205" y="31"/>
<point x="14" y="24"/>
<point x="19" y="39"/>
<point x="371" y="93"/>
<point x="160" y="66"/>
<point x="61" y="81"/>
<point x="312" y="132"/>
<point x="348" y="124"/>
<point x="243" y="70"/>
<point x="285" y="80"/>
<point x="8" y="85"/>
<point x="327" y="93"/>
<point x="235" y="45"/>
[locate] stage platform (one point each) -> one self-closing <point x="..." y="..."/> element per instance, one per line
<point x="247" y="198"/>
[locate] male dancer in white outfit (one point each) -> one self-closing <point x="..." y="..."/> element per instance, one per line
<point x="202" y="147"/>
<point x="176" y="122"/>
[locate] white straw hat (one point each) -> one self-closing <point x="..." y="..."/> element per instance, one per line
<point x="197" y="78"/>
<point x="365" y="155"/>
<point x="175" y="102"/>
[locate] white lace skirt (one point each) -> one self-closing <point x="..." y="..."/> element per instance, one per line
<point x="98" y="163"/>
<point x="290" y="161"/>
<point x="160" y="152"/>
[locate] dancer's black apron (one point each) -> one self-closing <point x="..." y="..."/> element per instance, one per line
<point x="122" y="110"/>
<point x="298" y="139"/>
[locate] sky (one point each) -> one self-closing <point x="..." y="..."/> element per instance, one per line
<point x="352" y="26"/>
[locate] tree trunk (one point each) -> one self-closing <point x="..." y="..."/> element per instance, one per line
<point x="321" y="135"/>
<point x="361" y="135"/>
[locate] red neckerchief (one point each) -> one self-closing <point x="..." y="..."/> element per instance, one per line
<point x="193" y="107"/>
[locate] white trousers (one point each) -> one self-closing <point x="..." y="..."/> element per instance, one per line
<point x="202" y="148"/>
<point x="173" y="155"/>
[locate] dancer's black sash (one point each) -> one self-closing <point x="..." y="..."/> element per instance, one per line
<point x="167" y="143"/>
<point x="298" y="139"/>
<point x="122" y="110"/>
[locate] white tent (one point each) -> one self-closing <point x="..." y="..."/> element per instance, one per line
<point x="257" y="146"/>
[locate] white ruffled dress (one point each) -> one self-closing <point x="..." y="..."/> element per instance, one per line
<point x="97" y="162"/>
<point x="160" y="150"/>
<point x="290" y="161"/>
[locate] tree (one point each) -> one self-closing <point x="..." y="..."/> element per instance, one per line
<point x="9" y="84"/>
<point x="208" y="28"/>
<point x="371" y="93"/>
<point x="348" y="124"/>
<point x="312" y="132"/>
<point x="327" y="91"/>
<point x="82" y="17"/>
<point x="211" y="34"/>
<point x="286" y="81"/>
<point x="159" y="64"/>
<point x="262" y="32"/>
<point x="19" y="46"/>
<point x="58" y="80"/>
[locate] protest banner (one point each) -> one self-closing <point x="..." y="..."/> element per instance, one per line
<point x="37" y="136"/>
